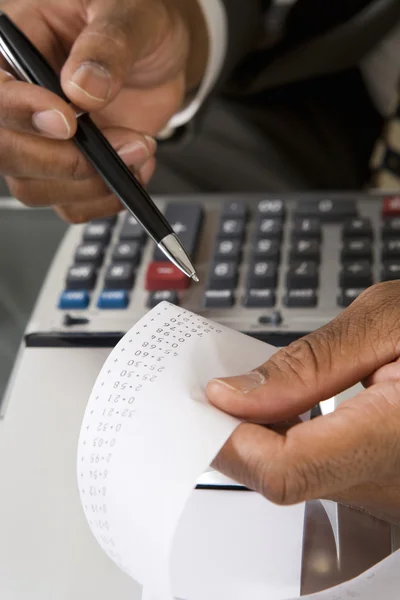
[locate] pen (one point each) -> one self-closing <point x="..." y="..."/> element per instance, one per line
<point x="31" y="66"/>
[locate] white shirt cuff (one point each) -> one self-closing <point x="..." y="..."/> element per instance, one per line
<point x="216" y="20"/>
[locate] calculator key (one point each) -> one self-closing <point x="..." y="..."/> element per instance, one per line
<point x="97" y="232"/>
<point x="186" y="220"/>
<point x="127" y="252"/>
<point x="310" y="228"/>
<point x="260" y="298"/>
<point x="132" y="230"/>
<point x="163" y="276"/>
<point x="113" y="300"/>
<point x="357" y="248"/>
<point x="304" y="249"/>
<point x="357" y="227"/>
<point x="81" y="277"/>
<point x="356" y="274"/>
<point x="273" y="208"/>
<point x="301" y="298"/>
<point x="219" y="298"/>
<point x="274" y="318"/>
<point x="348" y="295"/>
<point x="266" y="248"/>
<point x="391" y="249"/>
<point x="90" y="253"/>
<point x="223" y="275"/>
<point x="234" y="208"/>
<point x="162" y="296"/>
<point x="262" y="274"/>
<point x="74" y="300"/>
<point x="119" y="276"/>
<point x="302" y="275"/>
<point x="391" y="270"/>
<point x="228" y="250"/>
<point x="269" y="228"/>
<point x="231" y="228"/>
<point x="327" y="209"/>
<point x="391" y="206"/>
<point x="391" y="228"/>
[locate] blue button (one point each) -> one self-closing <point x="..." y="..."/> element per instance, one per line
<point x="113" y="299"/>
<point x="74" y="300"/>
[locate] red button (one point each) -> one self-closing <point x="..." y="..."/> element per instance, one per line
<point x="391" y="206"/>
<point x="164" y="276"/>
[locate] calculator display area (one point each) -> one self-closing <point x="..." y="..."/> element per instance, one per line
<point x="28" y="241"/>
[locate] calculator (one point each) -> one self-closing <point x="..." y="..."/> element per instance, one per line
<point x="272" y="266"/>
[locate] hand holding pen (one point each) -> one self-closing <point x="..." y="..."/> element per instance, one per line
<point x="128" y="82"/>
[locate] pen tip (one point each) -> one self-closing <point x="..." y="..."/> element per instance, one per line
<point x="195" y="278"/>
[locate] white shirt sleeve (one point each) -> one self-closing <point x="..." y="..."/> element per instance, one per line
<point x="216" y="20"/>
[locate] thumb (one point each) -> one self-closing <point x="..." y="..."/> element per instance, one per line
<point x="139" y="43"/>
<point x="361" y="339"/>
<point x="356" y="444"/>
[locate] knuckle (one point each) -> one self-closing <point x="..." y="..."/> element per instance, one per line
<point x="73" y="215"/>
<point x="295" y="360"/>
<point x="21" y="191"/>
<point x="77" y="167"/>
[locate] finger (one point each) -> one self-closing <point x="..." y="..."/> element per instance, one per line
<point x="31" y="157"/>
<point x="357" y="443"/>
<point x="118" y="36"/>
<point x="32" y="109"/>
<point x="363" y="338"/>
<point x="39" y="193"/>
<point x="86" y="211"/>
<point x="390" y="372"/>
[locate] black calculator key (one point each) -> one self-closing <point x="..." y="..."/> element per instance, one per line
<point x="273" y="208"/>
<point x="310" y="228"/>
<point x="391" y="270"/>
<point x="391" y="228"/>
<point x="97" y="232"/>
<point x="356" y="274"/>
<point x="236" y="209"/>
<point x="127" y="252"/>
<point x="132" y="230"/>
<point x="357" y="248"/>
<point x="90" y="253"/>
<point x="219" y="298"/>
<point x="269" y="228"/>
<point x="228" y="250"/>
<point x="186" y="220"/>
<point x="357" y="227"/>
<point x="391" y="249"/>
<point x="301" y="298"/>
<point x="231" y="229"/>
<point x="260" y="298"/>
<point x="302" y="275"/>
<point x="305" y="249"/>
<point x="266" y="248"/>
<point x="81" y="277"/>
<point x="162" y="296"/>
<point x="119" y="276"/>
<point x="327" y="209"/>
<point x="262" y="274"/>
<point x="348" y="295"/>
<point x="223" y="276"/>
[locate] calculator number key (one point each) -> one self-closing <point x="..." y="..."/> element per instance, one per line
<point x="162" y="296"/>
<point x="127" y="252"/>
<point x="266" y="248"/>
<point x="390" y="270"/>
<point x="262" y="274"/>
<point x="119" y="276"/>
<point x="219" y="298"/>
<point x="303" y="248"/>
<point x="271" y="208"/>
<point x="223" y="276"/>
<point x="269" y="228"/>
<point x="357" y="227"/>
<point x="302" y="275"/>
<point x="89" y="253"/>
<point x="81" y="277"/>
<point x="231" y="228"/>
<point x="310" y="228"/>
<point x="348" y="295"/>
<point x="357" y="248"/>
<point x="97" y="232"/>
<point x="260" y="298"/>
<point x="228" y="250"/>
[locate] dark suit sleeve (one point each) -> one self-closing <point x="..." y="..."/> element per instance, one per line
<point x="245" y="28"/>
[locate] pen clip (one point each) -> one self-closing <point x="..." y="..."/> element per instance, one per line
<point x="19" y="70"/>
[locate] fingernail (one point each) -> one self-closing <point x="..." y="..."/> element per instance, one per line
<point x="243" y="383"/>
<point x="134" y="154"/>
<point x="53" y="123"/>
<point x="92" y="80"/>
<point x="151" y="144"/>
